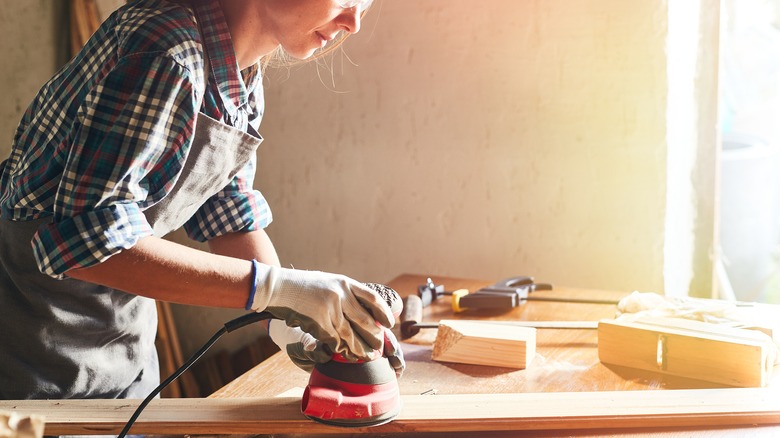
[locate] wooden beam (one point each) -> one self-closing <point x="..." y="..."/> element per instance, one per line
<point x="692" y="349"/>
<point x="421" y="413"/>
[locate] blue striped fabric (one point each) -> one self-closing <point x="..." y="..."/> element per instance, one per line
<point x="104" y="138"/>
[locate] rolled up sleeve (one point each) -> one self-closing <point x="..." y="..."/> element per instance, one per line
<point x="237" y="207"/>
<point x="89" y="238"/>
<point x="133" y="140"/>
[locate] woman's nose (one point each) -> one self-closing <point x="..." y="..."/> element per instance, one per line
<point x="350" y="19"/>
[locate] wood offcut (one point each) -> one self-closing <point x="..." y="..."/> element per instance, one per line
<point x="18" y="425"/>
<point x="476" y="343"/>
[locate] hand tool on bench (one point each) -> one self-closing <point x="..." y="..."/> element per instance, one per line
<point x="411" y="320"/>
<point x="429" y="292"/>
<point x="512" y="292"/>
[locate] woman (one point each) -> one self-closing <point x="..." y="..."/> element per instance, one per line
<point x="149" y="128"/>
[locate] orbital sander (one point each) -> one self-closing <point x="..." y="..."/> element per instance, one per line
<point x="355" y="394"/>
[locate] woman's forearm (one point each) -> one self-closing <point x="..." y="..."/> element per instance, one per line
<point x="168" y="271"/>
<point x="246" y="245"/>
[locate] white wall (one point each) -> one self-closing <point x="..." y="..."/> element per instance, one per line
<point x="33" y="45"/>
<point x="516" y="137"/>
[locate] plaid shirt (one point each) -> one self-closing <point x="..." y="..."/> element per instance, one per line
<point x="104" y="139"/>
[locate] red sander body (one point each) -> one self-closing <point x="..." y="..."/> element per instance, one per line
<point x="355" y="394"/>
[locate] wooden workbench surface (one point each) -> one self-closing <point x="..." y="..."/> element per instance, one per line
<point x="565" y="391"/>
<point x="566" y="360"/>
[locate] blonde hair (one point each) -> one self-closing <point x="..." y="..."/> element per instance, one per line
<point x="279" y="58"/>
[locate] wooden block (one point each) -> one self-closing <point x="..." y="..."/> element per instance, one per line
<point x="484" y="344"/>
<point x="686" y="348"/>
<point x="16" y="425"/>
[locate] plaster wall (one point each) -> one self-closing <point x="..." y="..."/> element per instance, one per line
<point x="527" y="137"/>
<point x="33" y="46"/>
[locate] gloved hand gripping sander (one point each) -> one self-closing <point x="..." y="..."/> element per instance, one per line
<point x="355" y="394"/>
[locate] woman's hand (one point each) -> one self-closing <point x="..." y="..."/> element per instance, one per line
<point x="336" y="310"/>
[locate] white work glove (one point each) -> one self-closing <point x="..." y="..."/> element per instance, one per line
<point x="306" y="352"/>
<point x="394" y="354"/>
<point x="338" y="311"/>
<point x="301" y="347"/>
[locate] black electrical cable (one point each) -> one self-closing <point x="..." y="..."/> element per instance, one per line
<point x="229" y="326"/>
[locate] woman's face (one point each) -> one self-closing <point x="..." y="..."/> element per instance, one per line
<point x="303" y="26"/>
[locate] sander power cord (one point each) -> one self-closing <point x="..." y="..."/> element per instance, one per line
<point x="229" y="326"/>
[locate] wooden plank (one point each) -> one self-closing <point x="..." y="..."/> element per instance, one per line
<point x="170" y="355"/>
<point x="686" y="348"/>
<point x="552" y="325"/>
<point x="167" y="357"/>
<point x="475" y="343"/>
<point x="559" y="325"/>
<point x="421" y="413"/>
<point x="84" y="22"/>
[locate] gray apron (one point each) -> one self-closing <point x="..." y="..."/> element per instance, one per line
<point x="73" y="339"/>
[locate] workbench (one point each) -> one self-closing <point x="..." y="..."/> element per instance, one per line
<point x="565" y="390"/>
<point x="566" y="363"/>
